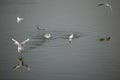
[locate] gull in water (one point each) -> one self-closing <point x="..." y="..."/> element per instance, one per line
<point x="20" y="64"/>
<point x="47" y="36"/>
<point x="106" y="4"/>
<point x="19" y="19"/>
<point x="71" y="38"/>
<point x="20" y="45"/>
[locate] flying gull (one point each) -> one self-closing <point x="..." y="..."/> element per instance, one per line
<point x="20" y="45"/>
<point x="19" y="19"/>
<point x="107" y="5"/>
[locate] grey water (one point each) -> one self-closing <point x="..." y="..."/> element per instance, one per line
<point x="85" y="58"/>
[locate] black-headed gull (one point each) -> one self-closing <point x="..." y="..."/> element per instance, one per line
<point x="107" y="5"/>
<point x="47" y="35"/>
<point x="19" y="19"/>
<point x="20" y="64"/>
<point x="20" y="45"/>
<point x="71" y="36"/>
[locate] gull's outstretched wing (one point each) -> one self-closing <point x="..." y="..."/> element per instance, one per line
<point x="101" y="4"/>
<point x="25" y="41"/>
<point x="15" y="42"/>
<point x="110" y="7"/>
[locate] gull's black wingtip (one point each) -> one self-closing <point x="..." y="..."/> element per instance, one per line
<point x="100" y="5"/>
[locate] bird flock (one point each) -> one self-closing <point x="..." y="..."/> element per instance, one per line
<point x="20" y="46"/>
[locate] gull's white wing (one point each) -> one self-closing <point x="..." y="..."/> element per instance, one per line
<point x="15" y="42"/>
<point x="25" y="41"/>
<point x="108" y="5"/>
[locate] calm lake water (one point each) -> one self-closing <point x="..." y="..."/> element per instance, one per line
<point x="86" y="58"/>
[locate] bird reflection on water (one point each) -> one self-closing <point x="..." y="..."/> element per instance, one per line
<point x="20" y="64"/>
